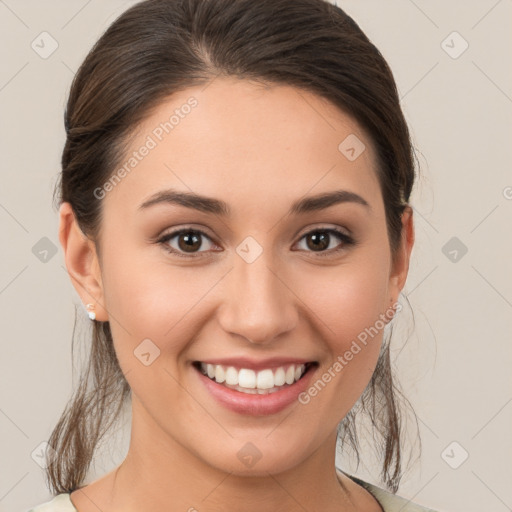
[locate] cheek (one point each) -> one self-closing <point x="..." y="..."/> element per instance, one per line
<point x="348" y="303"/>
<point x="352" y="332"/>
<point x="155" y="302"/>
<point x="149" y="314"/>
<point x="346" y="300"/>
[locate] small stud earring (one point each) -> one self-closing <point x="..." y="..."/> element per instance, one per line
<point x="90" y="311"/>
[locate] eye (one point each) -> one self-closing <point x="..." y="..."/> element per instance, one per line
<point x="188" y="241"/>
<point x="320" y="240"/>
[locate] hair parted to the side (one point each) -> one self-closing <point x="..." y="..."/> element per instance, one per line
<point x="158" y="47"/>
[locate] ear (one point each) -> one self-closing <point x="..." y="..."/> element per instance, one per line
<point x="400" y="268"/>
<point x="81" y="262"/>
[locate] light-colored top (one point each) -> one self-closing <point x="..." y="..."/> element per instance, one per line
<point x="388" y="501"/>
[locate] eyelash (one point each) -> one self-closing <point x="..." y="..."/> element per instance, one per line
<point x="346" y="239"/>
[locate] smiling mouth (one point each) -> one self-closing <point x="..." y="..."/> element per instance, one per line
<point x="246" y="380"/>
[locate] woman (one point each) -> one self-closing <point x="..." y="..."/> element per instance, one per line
<point x="234" y="216"/>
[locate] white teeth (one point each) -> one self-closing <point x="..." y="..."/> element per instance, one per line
<point x="265" y="379"/>
<point x="220" y="374"/>
<point x="279" y="377"/>
<point x="290" y="375"/>
<point x="247" y="378"/>
<point x="231" y="376"/>
<point x="250" y="381"/>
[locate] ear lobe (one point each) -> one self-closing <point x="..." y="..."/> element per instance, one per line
<point x="81" y="261"/>
<point x="401" y="265"/>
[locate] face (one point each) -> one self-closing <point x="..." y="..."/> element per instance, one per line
<point x="245" y="285"/>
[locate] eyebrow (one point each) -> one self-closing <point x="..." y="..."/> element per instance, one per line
<point x="211" y="205"/>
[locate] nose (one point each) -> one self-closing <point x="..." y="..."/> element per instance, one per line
<point x="257" y="302"/>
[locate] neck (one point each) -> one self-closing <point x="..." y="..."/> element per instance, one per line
<point x="158" y="473"/>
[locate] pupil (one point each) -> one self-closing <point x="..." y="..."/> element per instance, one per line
<point x="320" y="241"/>
<point x="191" y="241"/>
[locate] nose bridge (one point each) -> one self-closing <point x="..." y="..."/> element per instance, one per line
<point x="257" y="304"/>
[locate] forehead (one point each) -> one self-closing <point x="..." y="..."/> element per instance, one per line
<point x="261" y="141"/>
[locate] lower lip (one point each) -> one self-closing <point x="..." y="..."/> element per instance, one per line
<point x="253" y="404"/>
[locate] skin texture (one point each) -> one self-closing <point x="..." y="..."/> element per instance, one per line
<point x="258" y="148"/>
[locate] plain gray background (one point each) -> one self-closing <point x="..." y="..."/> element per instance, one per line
<point x="455" y="366"/>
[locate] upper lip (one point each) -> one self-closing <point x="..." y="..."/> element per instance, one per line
<point x="256" y="364"/>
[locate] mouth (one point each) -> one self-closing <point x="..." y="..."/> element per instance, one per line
<point x="255" y="382"/>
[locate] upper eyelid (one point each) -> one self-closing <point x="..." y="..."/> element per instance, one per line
<point x="174" y="233"/>
<point x="178" y="231"/>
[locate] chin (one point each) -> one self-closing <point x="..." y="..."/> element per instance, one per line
<point x="257" y="457"/>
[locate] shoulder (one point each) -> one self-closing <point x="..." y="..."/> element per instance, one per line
<point x="60" y="503"/>
<point x="388" y="501"/>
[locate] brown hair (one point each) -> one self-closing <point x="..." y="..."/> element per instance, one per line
<point x="158" y="47"/>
